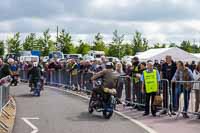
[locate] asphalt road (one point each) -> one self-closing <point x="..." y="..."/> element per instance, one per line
<point x="60" y="112"/>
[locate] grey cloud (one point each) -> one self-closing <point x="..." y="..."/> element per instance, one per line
<point x="143" y="10"/>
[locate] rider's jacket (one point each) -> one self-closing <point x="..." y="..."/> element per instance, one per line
<point x="109" y="77"/>
<point x="34" y="73"/>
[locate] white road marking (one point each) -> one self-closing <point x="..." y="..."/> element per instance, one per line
<point x="148" y="129"/>
<point x="26" y="120"/>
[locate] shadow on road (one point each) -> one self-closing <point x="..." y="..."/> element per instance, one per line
<point x="29" y="95"/>
<point x="85" y="116"/>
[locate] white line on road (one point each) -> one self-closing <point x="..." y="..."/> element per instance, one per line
<point x="26" y="120"/>
<point x="148" y="129"/>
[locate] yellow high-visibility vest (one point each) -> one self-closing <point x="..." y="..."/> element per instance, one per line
<point x="136" y="80"/>
<point x="75" y="71"/>
<point x="151" y="82"/>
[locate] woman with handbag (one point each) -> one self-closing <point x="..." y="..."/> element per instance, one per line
<point x="183" y="75"/>
<point x="196" y="87"/>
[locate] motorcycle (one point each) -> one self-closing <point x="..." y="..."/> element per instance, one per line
<point x="35" y="88"/>
<point x="104" y="102"/>
<point x="15" y="77"/>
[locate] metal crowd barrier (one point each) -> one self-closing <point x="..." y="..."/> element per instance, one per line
<point x="187" y="97"/>
<point x="4" y="96"/>
<point x="4" y="91"/>
<point x="138" y="99"/>
<point x="23" y="75"/>
<point x="65" y="78"/>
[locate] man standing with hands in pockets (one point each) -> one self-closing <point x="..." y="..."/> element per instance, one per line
<point x="150" y="84"/>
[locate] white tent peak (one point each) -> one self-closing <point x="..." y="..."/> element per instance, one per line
<point x="161" y="53"/>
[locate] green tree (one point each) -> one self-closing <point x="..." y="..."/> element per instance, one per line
<point x="158" y="45"/>
<point x="186" y="45"/>
<point x="115" y="48"/>
<point x="127" y="49"/>
<point x="99" y="44"/>
<point x="31" y="43"/>
<point x="173" y="45"/>
<point x="65" y="43"/>
<point x="14" y="45"/>
<point x="83" y="48"/>
<point x="139" y="44"/>
<point x="45" y="43"/>
<point x="1" y="48"/>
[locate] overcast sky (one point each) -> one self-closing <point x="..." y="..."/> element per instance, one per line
<point x="158" y="20"/>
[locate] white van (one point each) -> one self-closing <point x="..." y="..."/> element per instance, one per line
<point x="96" y="54"/>
<point x="73" y="56"/>
<point x="29" y="58"/>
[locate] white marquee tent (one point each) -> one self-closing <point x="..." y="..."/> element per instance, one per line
<point x="160" y="54"/>
<point x="197" y="55"/>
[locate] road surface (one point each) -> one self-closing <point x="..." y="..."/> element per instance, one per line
<point x="60" y="112"/>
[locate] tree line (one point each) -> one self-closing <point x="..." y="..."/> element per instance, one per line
<point x="117" y="48"/>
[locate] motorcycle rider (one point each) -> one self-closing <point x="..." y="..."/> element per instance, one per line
<point x="34" y="74"/>
<point x="109" y="77"/>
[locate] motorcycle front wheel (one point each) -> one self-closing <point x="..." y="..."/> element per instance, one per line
<point x="107" y="115"/>
<point x="90" y="108"/>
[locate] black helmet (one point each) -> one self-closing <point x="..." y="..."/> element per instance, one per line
<point x="109" y="65"/>
<point x="136" y="58"/>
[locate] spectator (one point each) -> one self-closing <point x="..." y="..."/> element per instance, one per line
<point x="150" y="84"/>
<point x="196" y="87"/>
<point x="120" y="84"/>
<point x="192" y="66"/>
<point x="136" y="84"/>
<point x="103" y="62"/>
<point x="141" y="96"/>
<point x="157" y="65"/>
<point x="5" y="69"/>
<point x="74" y="74"/>
<point x="128" y="83"/>
<point x="167" y="72"/>
<point x="183" y="74"/>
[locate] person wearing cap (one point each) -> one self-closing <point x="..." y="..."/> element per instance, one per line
<point x="150" y="83"/>
<point x="141" y="96"/>
<point x="136" y="91"/>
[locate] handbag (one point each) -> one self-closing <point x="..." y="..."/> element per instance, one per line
<point x="157" y="101"/>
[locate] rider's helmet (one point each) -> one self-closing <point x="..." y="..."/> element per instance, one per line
<point x="109" y="65"/>
<point x="35" y="64"/>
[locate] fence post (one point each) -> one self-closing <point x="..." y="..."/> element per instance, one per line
<point x="1" y="98"/>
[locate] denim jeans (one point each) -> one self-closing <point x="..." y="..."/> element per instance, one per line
<point x="186" y="92"/>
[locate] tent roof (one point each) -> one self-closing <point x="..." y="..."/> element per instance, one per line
<point x="161" y="53"/>
<point x="196" y="54"/>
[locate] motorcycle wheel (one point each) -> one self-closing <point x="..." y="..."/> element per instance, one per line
<point x="90" y="109"/>
<point x="107" y="115"/>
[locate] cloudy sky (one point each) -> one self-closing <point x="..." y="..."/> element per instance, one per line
<point x="158" y="20"/>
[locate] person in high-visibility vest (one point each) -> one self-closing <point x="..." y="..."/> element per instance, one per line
<point x="150" y="84"/>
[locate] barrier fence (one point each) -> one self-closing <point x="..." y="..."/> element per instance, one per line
<point x="170" y="95"/>
<point x="4" y="91"/>
<point x="187" y="97"/>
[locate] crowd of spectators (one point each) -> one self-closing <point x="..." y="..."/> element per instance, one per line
<point x="132" y="71"/>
